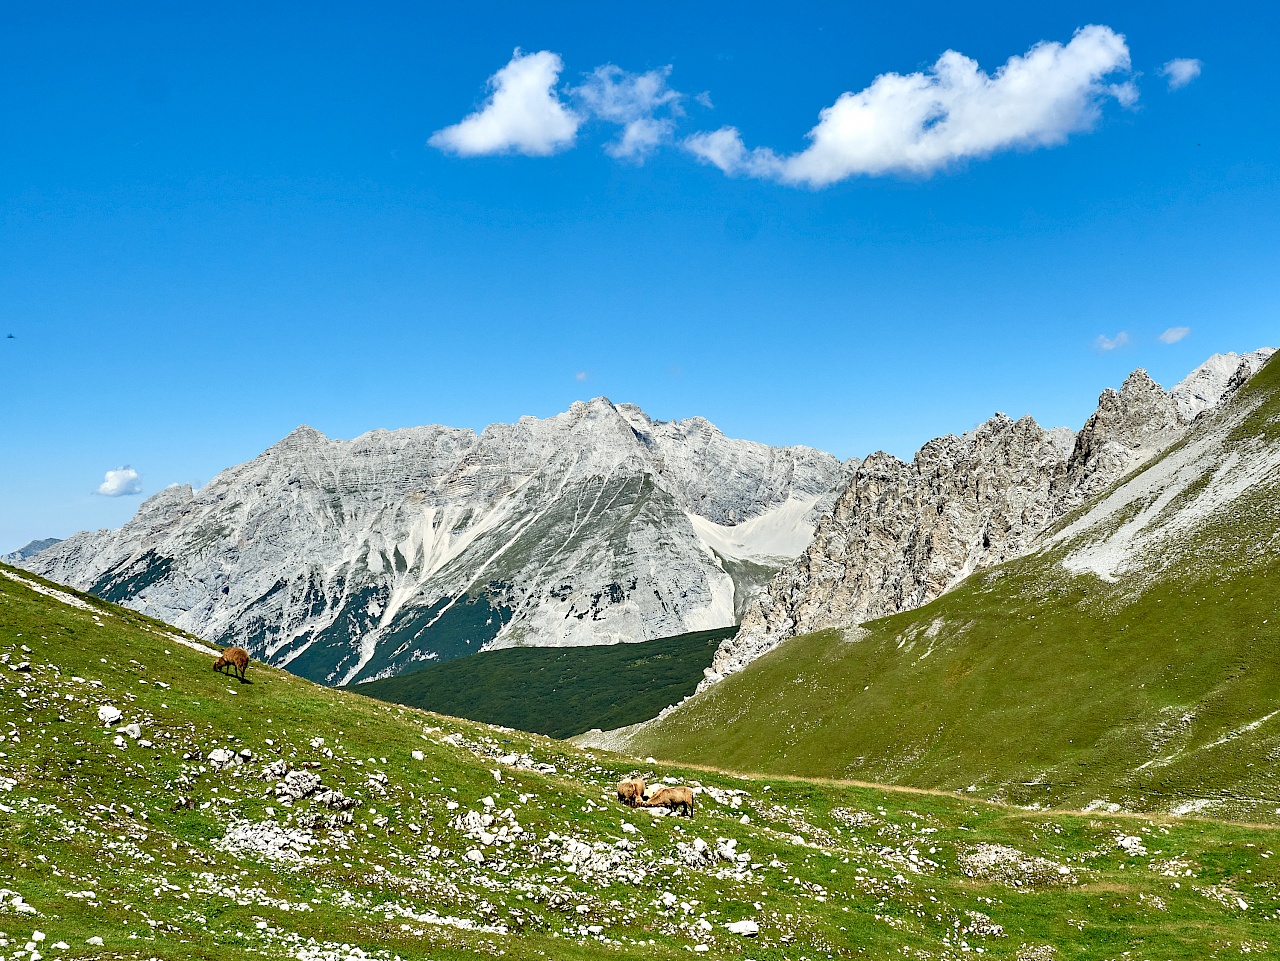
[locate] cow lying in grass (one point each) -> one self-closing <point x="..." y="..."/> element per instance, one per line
<point x="234" y="660"/>
<point x="631" y="791"/>
<point x="678" y="799"/>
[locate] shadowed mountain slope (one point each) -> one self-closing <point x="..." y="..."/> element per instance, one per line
<point x="559" y="691"/>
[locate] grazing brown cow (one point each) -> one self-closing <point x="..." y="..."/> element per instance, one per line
<point x="233" y="660"/>
<point x="674" y="798"/>
<point x="631" y="791"/>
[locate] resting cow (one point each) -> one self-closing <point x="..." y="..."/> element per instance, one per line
<point x="674" y="798"/>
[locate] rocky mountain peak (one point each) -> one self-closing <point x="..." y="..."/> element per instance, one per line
<point x="901" y="534"/>
<point x="1220" y="374"/>
<point x="348" y="559"/>
<point x="300" y="438"/>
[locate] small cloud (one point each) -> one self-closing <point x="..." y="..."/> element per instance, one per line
<point x="120" y="482"/>
<point x="704" y="99"/>
<point x="632" y="100"/>
<point x="1181" y="71"/>
<point x="1174" y="334"/>
<point x="1111" y="343"/>
<point x="580" y="375"/>
<point x="523" y="114"/>
<point x="1126" y="93"/>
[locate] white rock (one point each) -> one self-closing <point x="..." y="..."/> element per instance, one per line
<point x="109" y="714"/>
<point x="475" y="855"/>
<point x="133" y="730"/>
<point x="220" y="759"/>
<point x="1131" y="845"/>
<point x="747" y="928"/>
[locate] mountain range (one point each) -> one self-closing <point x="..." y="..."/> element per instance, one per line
<point x="348" y="560"/>
<point x="352" y="560"/>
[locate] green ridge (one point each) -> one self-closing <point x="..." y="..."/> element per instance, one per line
<point x="1157" y="690"/>
<point x="559" y="691"/>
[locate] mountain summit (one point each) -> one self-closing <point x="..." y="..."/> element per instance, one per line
<point x="347" y="560"/>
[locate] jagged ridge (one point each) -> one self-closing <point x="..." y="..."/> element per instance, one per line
<point x="902" y="534"/>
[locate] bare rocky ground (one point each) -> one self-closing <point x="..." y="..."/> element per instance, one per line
<point x="152" y="808"/>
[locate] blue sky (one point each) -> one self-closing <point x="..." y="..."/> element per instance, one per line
<point x="220" y="222"/>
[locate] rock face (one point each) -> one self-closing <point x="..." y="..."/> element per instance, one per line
<point x="349" y="560"/>
<point x="901" y="534"/>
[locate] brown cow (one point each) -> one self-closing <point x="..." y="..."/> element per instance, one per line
<point x="631" y="791"/>
<point x="234" y="660"/>
<point x="674" y="798"/>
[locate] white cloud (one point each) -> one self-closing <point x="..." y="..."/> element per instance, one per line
<point x="120" y="482"/>
<point x="1181" y="71"/>
<point x="920" y="123"/>
<point x="1174" y="334"/>
<point x="524" y="113"/>
<point x="1111" y="343"/>
<point x="580" y="375"/>
<point x="632" y="100"/>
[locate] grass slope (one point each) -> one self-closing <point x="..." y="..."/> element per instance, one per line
<point x="559" y="691"/>
<point x="1156" y="690"/>
<point x="137" y="839"/>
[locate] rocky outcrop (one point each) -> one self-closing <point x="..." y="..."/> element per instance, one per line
<point x="345" y="560"/>
<point x="30" y="549"/>
<point x="901" y="534"/>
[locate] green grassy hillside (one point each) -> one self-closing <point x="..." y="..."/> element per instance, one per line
<point x="466" y="841"/>
<point x="1155" y="686"/>
<point x="559" y="691"/>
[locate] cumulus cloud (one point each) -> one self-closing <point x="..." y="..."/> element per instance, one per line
<point x="120" y="482"/>
<point x="524" y="113"/>
<point x="1174" y="334"/>
<point x="1181" y="71"/>
<point x="633" y="101"/>
<point x="920" y="123"/>
<point x="1111" y="343"/>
